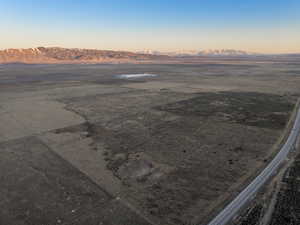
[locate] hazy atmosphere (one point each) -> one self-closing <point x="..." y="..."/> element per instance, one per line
<point x="265" y="26"/>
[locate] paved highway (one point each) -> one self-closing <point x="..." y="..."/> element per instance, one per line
<point x="249" y="192"/>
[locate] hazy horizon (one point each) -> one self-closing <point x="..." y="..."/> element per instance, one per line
<point x="255" y="26"/>
<point x="148" y="51"/>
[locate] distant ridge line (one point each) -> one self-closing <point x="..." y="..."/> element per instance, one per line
<point x="58" y="55"/>
<point x="72" y="55"/>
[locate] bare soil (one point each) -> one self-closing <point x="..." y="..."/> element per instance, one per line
<point x="162" y="150"/>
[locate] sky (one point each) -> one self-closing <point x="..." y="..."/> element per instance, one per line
<point x="263" y="26"/>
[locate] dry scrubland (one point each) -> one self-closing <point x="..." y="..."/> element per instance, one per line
<point x="82" y="146"/>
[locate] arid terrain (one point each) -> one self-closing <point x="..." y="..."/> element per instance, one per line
<point x="81" y="144"/>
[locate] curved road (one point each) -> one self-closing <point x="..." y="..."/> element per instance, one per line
<point x="249" y="192"/>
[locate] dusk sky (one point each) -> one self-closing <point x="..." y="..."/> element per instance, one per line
<point x="266" y="26"/>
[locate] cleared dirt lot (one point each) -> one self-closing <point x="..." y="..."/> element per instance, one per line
<point x="169" y="149"/>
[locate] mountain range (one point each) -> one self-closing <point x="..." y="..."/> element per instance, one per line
<point x="56" y="55"/>
<point x="72" y="55"/>
<point x="209" y="52"/>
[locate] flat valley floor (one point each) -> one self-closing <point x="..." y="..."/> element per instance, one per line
<point x="81" y="145"/>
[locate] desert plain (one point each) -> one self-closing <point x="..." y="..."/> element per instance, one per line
<point x="82" y="144"/>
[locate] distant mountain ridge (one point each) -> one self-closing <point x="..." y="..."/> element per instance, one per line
<point x="57" y="55"/>
<point x="210" y="52"/>
<point x="71" y="55"/>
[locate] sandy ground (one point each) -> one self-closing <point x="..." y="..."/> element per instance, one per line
<point x="169" y="149"/>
